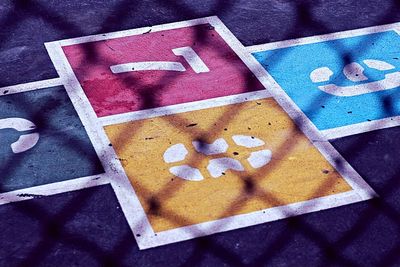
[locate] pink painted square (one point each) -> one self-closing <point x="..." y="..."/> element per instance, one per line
<point x="158" y="69"/>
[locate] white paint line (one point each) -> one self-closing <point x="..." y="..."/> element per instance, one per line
<point x="130" y="203"/>
<point x="143" y="30"/>
<point x="184" y="107"/>
<point x="314" y="135"/>
<point x="195" y="62"/>
<point x="25" y="87"/>
<point x="25" y="142"/>
<point x="381" y="85"/>
<point x="323" y="38"/>
<point x="249" y="219"/>
<point x="127" y="198"/>
<point x="391" y="81"/>
<point x="19" y="124"/>
<point x="53" y="188"/>
<point x="362" y="127"/>
<point x="378" y="64"/>
<point x="146" y="66"/>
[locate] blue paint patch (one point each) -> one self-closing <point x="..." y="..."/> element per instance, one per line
<point x="63" y="151"/>
<point x="291" y="68"/>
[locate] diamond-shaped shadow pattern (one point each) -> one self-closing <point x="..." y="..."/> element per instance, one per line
<point x="87" y="227"/>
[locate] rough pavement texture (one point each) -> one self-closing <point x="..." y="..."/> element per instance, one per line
<point x="87" y="228"/>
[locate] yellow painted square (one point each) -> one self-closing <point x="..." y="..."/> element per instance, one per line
<point x="297" y="171"/>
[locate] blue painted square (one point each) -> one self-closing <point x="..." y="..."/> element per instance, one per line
<point x="63" y="150"/>
<point x="335" y="82"/>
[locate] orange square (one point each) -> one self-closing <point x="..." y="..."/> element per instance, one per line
<point x="214" y="163"/>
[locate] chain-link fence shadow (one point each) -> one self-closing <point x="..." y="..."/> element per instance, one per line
<point x="53" y="225"/>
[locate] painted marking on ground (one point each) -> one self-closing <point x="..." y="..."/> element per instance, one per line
<point x="156" y="69"/>
<point x="44" y="147"/>
<point x="196" y="123"/>
<point x="219" y="164"/>
<point x="19" y="88"/>
<point x="344" y="90"/>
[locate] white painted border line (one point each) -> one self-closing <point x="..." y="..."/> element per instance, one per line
<point x="347" y="130"/>
<point x="53" y="188"/>
<point x="303" y="122"/>
<point x="25" y="87"/>
<point x="323" y="37"/>
<point x="143" y="30"/>
<point x="184" y="107"/>
<point x="309" y="129"/>
<point x="137" y="219"/>
<point x="362" y="127"/>
<point x="251" y="219"/>
<point x="123" y="189"/>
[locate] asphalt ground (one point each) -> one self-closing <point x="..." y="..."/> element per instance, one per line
<point x="87" y="227"/>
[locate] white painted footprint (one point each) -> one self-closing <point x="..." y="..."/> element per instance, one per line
<point x="216" y="167"/>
